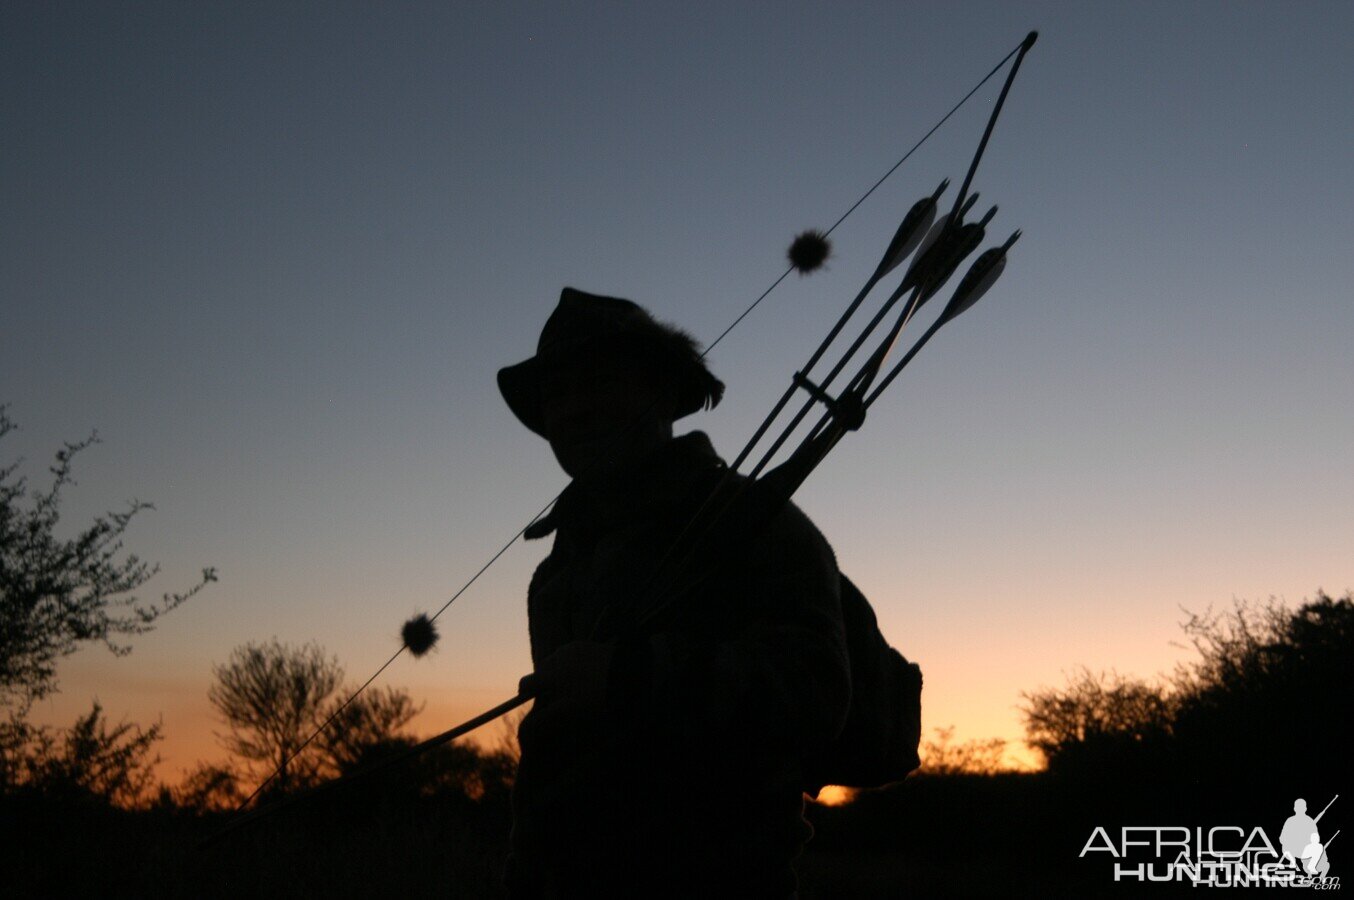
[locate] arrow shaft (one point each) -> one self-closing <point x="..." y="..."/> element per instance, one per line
<point x="832" y="374"/>
<point x="813" y="360"/>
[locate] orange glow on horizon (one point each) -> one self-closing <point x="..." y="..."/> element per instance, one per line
<point x="835" y="795"/>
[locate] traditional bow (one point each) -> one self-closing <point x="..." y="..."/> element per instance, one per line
<point x="940" y="246"/>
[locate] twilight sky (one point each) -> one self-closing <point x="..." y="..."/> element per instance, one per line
<point x="276" y="253"/>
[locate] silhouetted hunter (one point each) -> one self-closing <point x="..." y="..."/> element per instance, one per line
<point x="669" y="764"/>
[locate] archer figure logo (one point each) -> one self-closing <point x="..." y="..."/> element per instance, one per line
<point x="1301" y="840"/>
<point x="1224" y="855"/>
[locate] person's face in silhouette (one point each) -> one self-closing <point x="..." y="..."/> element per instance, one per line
<point x="1299" y="806"/>
<point x="605" y="410"/>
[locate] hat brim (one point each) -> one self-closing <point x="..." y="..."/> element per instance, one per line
<point x="693" y="387"/>
<point x="520" y="386"/>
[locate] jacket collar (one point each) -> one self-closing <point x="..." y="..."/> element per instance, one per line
<point x="662" y="479"/>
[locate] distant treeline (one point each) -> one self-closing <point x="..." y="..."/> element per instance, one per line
<point x="1230" y="738"/>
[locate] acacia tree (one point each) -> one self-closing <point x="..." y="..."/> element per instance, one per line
<point x="1093" y="711"/>
<point x="55" y="594"/>
<point x="272" y="697"/>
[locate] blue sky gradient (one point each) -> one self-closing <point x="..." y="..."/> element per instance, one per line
<point x="275" y="255"/>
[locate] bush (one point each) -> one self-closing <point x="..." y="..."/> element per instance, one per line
<point x="1265" y="694"/>
<point x="942" y="756"/>
<point x="88" y="762"/>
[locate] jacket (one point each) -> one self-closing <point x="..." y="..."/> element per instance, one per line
<point x="693" y="779"/>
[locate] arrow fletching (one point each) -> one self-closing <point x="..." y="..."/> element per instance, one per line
<point x="935" y="266"/>
<point x="925" y="250"/>
<point x="927" y="253"/>
<point x="953" y="252"/>
<point x="984" y="272"/>
<point x="911" y="231"/>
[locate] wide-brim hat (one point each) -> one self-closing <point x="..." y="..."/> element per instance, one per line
<point x="585" y="325"/>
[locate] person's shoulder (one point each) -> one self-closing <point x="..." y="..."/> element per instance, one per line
<point x="789" y="528"/>
<point x="792" y="535"/>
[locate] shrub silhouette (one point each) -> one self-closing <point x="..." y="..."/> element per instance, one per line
<point x="942" y="755"/>
<point x="210" y="787"/>
<point x="1263" y="696"/>
<point x="88" y="763"/>
<point x="1099" y="720"/>
<point x="1270" y="687"/>
<point x="365" y="729"/>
